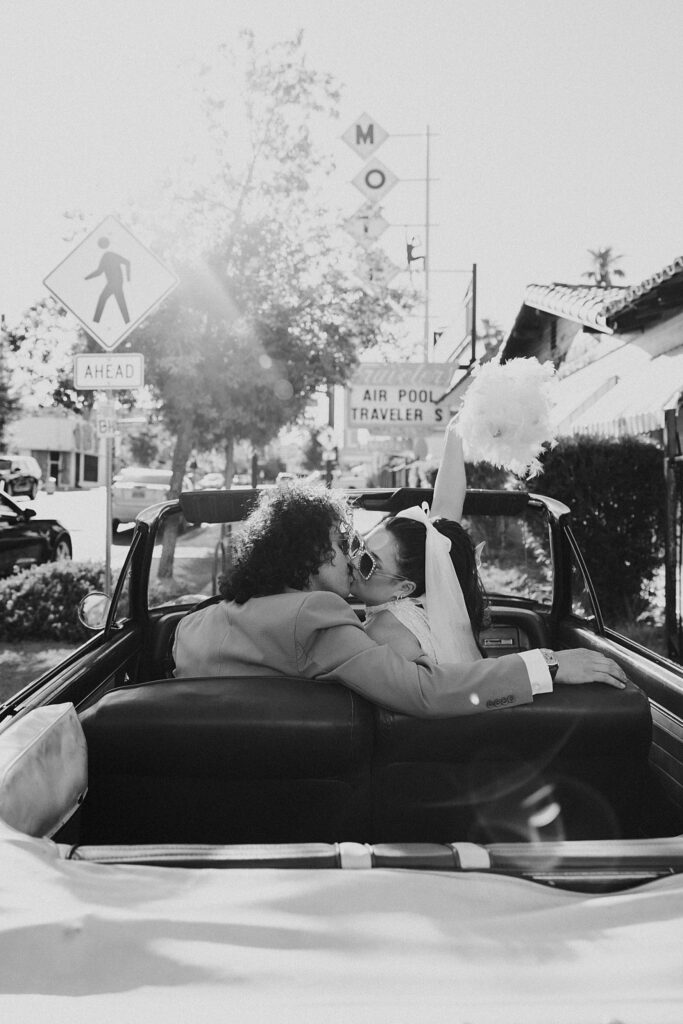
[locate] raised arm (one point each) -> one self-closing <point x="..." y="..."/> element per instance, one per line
<point x="451" y="482"/>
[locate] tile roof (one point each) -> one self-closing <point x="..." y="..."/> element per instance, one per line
<point x="584" y="303"/>
<point x="597" y="307"/>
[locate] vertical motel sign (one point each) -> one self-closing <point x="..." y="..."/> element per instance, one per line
<point x="375" y="180"/>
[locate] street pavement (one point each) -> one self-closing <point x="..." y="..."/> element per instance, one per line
<point x="84" y="514"/>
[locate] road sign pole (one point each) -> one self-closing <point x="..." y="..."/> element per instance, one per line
<point x="109" y="447"/>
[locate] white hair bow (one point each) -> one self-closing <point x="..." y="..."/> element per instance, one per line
<point x="444" y="602"/>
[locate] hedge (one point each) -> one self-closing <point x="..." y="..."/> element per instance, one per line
<point x="41" y="603"/>
<point x="616" y="491"/>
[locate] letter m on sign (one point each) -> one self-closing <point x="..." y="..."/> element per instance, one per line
<point x="364" y="136"/>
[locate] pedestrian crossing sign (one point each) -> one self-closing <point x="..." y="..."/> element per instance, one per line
<point x="110" y="282"/>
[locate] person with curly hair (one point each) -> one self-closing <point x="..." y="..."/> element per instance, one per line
<point x="284" y="612"/>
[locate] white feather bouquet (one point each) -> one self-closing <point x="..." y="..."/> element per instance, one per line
<point x="506" y="415"/>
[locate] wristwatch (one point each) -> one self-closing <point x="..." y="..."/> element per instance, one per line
<point x="550" y="660"/>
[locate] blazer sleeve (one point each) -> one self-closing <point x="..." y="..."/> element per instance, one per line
<point x="331" y="645"/>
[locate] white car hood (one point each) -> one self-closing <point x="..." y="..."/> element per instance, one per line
<point x="91" y="942"/>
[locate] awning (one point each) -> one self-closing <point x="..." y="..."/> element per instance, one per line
<point x="624" y="393"/>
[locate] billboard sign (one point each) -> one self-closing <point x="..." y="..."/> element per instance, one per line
<point x="400" y="399"/>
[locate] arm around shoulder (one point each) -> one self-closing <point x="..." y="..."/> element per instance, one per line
<point x="333" y="647"/>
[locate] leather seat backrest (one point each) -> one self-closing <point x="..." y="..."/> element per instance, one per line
<point x="253" y="727"/>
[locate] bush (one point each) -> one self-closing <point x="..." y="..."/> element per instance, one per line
<point x="615" y="489"/>
<point x="41" y="603"/>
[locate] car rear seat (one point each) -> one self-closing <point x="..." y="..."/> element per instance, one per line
<point x="581" y="751"/>
<point x="228" y="760"/>
<point x="286" y="760"/>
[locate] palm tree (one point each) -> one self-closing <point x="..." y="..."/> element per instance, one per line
<point x="603" y="269"/>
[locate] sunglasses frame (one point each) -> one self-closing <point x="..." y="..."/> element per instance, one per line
<point x="357" y="551"/>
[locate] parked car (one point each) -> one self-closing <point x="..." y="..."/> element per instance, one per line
<point x="283" y="846"/>
<point x="355" y="478"/>
<point x="211" y="481"/>
<point x="26" y="540"/>
<point x="20" y="474"/>
<point x="136" y="488"/>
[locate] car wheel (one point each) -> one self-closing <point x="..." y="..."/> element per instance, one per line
<point x="114" y="526"/>
<point x="62" y="552"/>
<point x="33" y="490"/>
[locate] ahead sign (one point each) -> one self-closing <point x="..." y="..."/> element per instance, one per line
<point x="110" y="282"/>
<point x="97" y="371"/>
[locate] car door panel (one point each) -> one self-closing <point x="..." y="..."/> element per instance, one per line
<point x="662" y="681"/>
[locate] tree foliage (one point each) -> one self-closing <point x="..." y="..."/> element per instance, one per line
<point x="270" y="306"/>
<point x="9" y="402"/>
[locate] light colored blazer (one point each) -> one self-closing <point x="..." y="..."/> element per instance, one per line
<point x="317" y="635"/>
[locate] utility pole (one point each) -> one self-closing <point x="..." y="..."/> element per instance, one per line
<point x="474" y="312"/>
<point x="426" y="250"/>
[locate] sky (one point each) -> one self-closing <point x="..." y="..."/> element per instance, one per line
<point x="555" y="126"/>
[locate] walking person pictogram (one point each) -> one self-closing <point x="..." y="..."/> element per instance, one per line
<point x="111" y="265"/>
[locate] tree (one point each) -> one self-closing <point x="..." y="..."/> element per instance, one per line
<point x="270" y="307"/>
<point x="8" y="400"/>
<point x="38" y="353"/>
<point x="603" y="269"/>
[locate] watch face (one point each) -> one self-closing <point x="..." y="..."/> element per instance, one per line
<point x="550" y="660"/>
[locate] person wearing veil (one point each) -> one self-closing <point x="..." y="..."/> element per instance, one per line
<point x="417" y="573"/>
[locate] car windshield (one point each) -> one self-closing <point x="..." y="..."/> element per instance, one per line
<point x="514" y="556"/>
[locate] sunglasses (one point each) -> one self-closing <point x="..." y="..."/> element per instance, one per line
<point x="353" y="545"/>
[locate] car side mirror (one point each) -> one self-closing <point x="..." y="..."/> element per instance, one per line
<point x="29" y="513"/>
<point x="93" y="610"/>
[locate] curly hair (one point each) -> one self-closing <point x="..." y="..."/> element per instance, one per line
<point x="286" y="539"/>
<point x="410" y="539"/>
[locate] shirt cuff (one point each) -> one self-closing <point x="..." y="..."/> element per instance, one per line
<point x="539" y="673"/>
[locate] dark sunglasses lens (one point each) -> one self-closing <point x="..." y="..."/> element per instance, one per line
<point x="366" y="564"/>
<point x="355" y="544"/>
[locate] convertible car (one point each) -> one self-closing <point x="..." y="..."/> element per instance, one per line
<point x="282" y="846"/>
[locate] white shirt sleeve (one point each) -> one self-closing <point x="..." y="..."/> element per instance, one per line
<point x="539" y="673"/>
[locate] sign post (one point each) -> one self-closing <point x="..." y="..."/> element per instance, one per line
<point x="105" y="424"/>
<point x="110" y="282"/>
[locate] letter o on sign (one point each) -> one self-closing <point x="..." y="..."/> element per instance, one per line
<point x="375" y="178"/>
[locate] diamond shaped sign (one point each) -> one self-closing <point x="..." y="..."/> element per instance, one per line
<point x="380" y="269"/>
<point x="110" y="282"/>
<point x="375" y="180"/>
<point x="364" y="136"/>
<point x="366" y="224"/>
